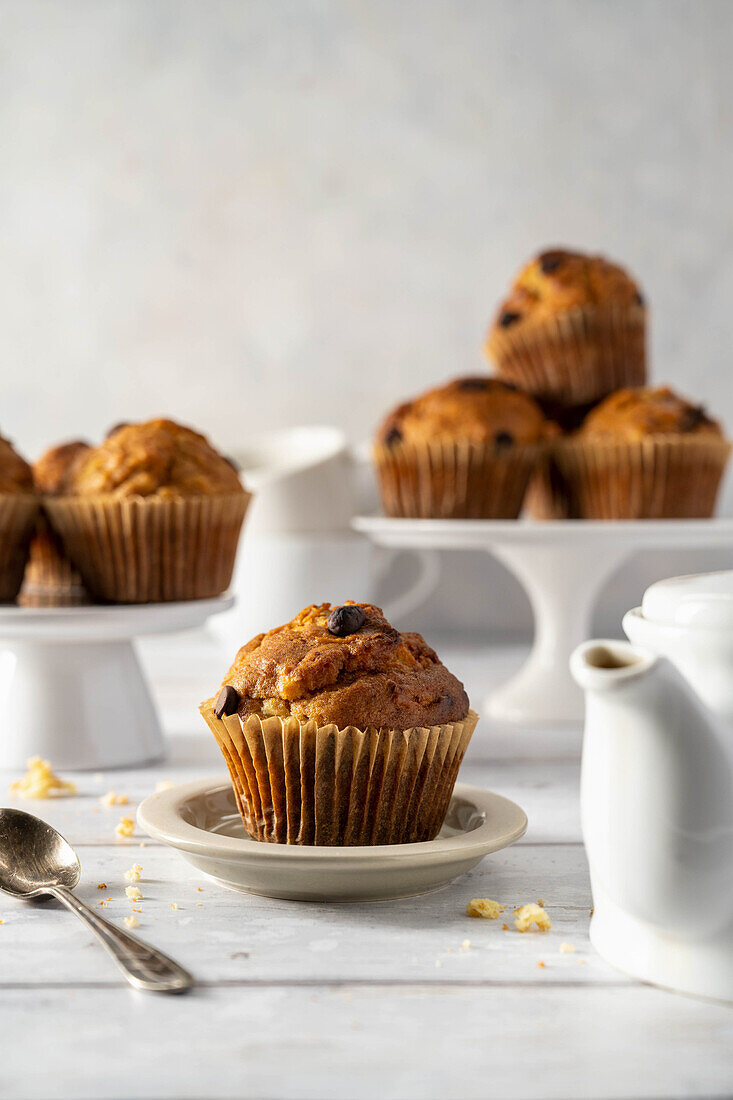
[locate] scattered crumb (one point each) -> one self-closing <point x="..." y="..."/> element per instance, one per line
<point x="528" y="915"/>
<point x="40" y="782"/>
<point x="199" y="905"/>
<point x="132" y="922"/>
<point x="102" y="904"/>
<point x="134" y="893"/>
<point x="592" y="912"/>
<point x="133" y="875"/>
<point x="173" y="905"/>
<point x="142" y="843"/>
<point x="111" y="798"/>
<point x="101" y="885"/>
<point x="541" y="965"/>
<point x="163" y="785"/>
<point x="2" y="922"/>
<point x="465" y="945"/>
<point x="484" y="907"/>
<point x="542" y="902"/>
<point x="581" y="962"/>
<point x="136" y="910"/>
<point x="567" y="948"/>
<point x="505" y="927"/>
<point x="199" y="889"/>
<point x="125" y="827"/>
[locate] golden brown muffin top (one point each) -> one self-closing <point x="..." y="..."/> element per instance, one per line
<point x="366" y="674"/>
<point x="476" y="409"/>
<point x="53" y="471"/>
<point x="558" y="280"/>
<point x="158" y="458"/>
<point x="16" y="476"/>
<point x="635" y="413"/>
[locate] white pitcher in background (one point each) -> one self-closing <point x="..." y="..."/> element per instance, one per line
<point x="657" y="787"/>
<point x="298" y="547"/>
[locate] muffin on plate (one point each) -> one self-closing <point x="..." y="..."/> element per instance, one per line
<point x="463" y="450"/>
<point x="18" y="511"/>
<point x="572" y="329"/>
<point x="642" y="453"/>
<point x="338" y="730"/>
<point x="152" y="514"/>
<point x="50" y="578"/>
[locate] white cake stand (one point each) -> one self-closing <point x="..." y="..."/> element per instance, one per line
<point x="71" y="685"/>
<point x="562" y="565"/>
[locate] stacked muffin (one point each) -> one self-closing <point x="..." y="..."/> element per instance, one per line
<point x="151" y="514"/>
<point x="18" y="512"/>
<point x="581" y="437"/>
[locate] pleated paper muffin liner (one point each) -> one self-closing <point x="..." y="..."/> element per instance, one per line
<point x="660" y="477"/>
<point x="579" y="356"/>
<point x="50" y="580"/>
<point x="151" y="550"/>
<point x="454" y="480"/>
<point x="18" y="514"/>
<point x="300" y="783"/>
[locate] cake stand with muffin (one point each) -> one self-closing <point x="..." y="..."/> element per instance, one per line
<point x="136" y="536"/>
<point x="457" y="465"/>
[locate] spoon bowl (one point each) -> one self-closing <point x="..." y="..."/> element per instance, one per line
<point x="33" y="856"/>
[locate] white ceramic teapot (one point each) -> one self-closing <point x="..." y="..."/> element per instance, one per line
<point x="657" y="787"/>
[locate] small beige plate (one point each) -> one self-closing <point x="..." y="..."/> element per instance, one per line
<point x="200" y="820"/>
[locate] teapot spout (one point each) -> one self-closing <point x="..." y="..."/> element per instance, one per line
<point x="656" y="789"/>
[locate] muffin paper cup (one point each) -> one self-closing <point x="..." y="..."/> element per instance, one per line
<point x="578" y="356"/>
<point x="454" y="480"/>
<point x="147" y="550"/>
<point x="300" y="783"/>
<point x="50" y="579"/>
<point x="18" y="515"/>
<point x="660" y="477"/>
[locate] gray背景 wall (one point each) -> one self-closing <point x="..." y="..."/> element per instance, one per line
<point x="271" y="212"/>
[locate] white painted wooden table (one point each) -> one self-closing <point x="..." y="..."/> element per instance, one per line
<point x="326" y="1001"/>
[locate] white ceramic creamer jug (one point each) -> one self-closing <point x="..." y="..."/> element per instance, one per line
<point x="657" y="787"/>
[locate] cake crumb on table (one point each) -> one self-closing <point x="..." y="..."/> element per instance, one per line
<point x="101" y="885"/>
<point x="40" y="782"/>
<point x="131" y="922"/>
<point x="133" y="875"/>
<point x="111" y="798"/>
<point x="528" y="915"/>
<point x="484" y="907"/>
<point x="134" y="893"/>
<point x="567" y="948"/>
<point x="125" y="827"/>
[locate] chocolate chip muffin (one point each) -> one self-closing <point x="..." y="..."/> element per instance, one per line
<point x="643" y="453"/>
<point x="152" y="514"/>
<point x="337" y="729"/>
<point x="50" y="578"/>
<point x="571" y="330"/>
<point x="462" y="450"/>
<point x="18" y="512"/>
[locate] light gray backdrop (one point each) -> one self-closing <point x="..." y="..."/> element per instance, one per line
<point x="264" y="212"/>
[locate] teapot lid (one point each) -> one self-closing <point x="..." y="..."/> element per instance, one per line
<point x="703" y="599"/>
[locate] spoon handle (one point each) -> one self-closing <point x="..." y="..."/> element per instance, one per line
<point x="144" y="967"/>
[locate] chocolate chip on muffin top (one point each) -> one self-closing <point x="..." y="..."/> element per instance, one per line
<point x="158" y="458"/>
<point x="370" y="676"/>
<point x="645" y="411"/>
<point x="16" y="475"/>
<point x="477" y="409"/>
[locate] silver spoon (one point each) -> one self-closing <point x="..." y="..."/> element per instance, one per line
<point x="36" y="860"/>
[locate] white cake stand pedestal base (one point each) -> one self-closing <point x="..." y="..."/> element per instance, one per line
<point x="562" y="565"/>
<point x="71" y="685"/>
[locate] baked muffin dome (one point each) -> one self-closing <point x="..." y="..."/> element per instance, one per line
<point x="53" y="471"/>
<point x="366" y="675"/>
<point x="16" y="476"/>
<point x="158" y="458"/>
<point x="557" y="280"/>
<point x="646" y="411"/>
<point x="474" y="409"/>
